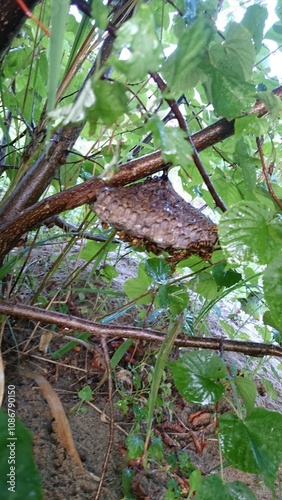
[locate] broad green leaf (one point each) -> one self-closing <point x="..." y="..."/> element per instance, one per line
<point x="272" y="102"/>
<point x="134" y="445"/>
<point x="254" y="20"/>
<point x="213" y="488"/>
<point x="139" y="37"/>
<point x="250" y="124"/>
<point x="173" y="297"/>
<point x="207" y="286"/>
<point x="175" y="148"/>
<point x="254" y="444"/>
<point x="195" y="480"/>
<point x="110" y="102"/>
<point x="248" y="232"/>
<point x="272" y="284"/>
<point x="268" y="320"/>
<point x="225" y="277"/>
<point x="227" y="190"/>
<point x="246" y="161"/>
<point x="180" y="68"/>
<point x="230" y="97"/>
<point x="156" y="449"/>
<point x="196" y="377"/>
<point x="135" y="287"/>
<point x="19" y="475"/>
<point x="239" y="49"/>
<point x="158" y="269"/>
<point x="247" y="390"/>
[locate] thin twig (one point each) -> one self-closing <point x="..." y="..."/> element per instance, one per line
<point x="195" y="155"/>
<point x="266" y="176"/>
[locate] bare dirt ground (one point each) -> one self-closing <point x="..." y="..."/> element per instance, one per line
<point x="185" y="428"/>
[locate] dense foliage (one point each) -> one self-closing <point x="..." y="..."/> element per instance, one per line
<point x="142" y="85"/>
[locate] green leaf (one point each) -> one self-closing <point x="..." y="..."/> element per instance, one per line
<point x="244" y="158"/>
<point x="195" y="375"/>
<point x="175" y="148"/>
<point x="212" y="487"/>
<point x="195" y="480"/>
<point x="180" y="68"/>
<point x="158" y="269"/>
<point x="225" y="277"/>
<point x="239" y="50"/>
<point x="230" y="97"/>
<point x="248" y="232"/>
<point x="110" y="102"/>
<point x="19" y="475"/>
<point x="254" y="20"/>
<point x="59" y="15"/>
<point x="139" y="37"/>
<point x="174" y="297"/>
<point x="135" y="287"/>
<point x="255" y="444"/>
<point x="156" y="449"/>
<point x="207" y="286"/>
<point x="272" y="102"/>
<point x="100" y="12"/>
<point x="85" y="394"/>
<point x="247" y="390"/>
<point x="134" y="446"/>
<point x="272" y="284"/>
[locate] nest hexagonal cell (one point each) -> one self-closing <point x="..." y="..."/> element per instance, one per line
<point x="153" y="214"/>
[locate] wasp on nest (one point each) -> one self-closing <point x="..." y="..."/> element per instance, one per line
<point x="151" y="213"/>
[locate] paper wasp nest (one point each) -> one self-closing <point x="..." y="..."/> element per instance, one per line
<point x="153" y="214"/>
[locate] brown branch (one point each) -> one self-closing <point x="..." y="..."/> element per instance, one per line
<point x="196" y="158"/>
<point x="69" y="322"/>
<point x="129" y="172"/>
<point x="266" y="176"/>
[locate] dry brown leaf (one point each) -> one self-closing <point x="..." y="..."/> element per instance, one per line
<point x="45" y="340"/>
<point x="58" y="412"/>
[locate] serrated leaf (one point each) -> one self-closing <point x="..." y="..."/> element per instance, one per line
<point x="230" y="97"/>
<point x="254" y="444"/>
<point x="239" y="49"/>
<point x="195" y="375"/>
<point x="247" y="233"/>
<point x="158" y="269"/>
<point x="24" y="479"/>
<point x="180" y="68"/>
<point x="272" y="284"/>
<point x="134" y="446"/>
<point x="175" y="147"/>
<point x="110" y="102"/>
<point x="247" y="390"/>
<point x="139" y="37"/>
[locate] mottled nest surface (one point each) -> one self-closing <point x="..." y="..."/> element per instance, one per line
<point x="153" y="214"/>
